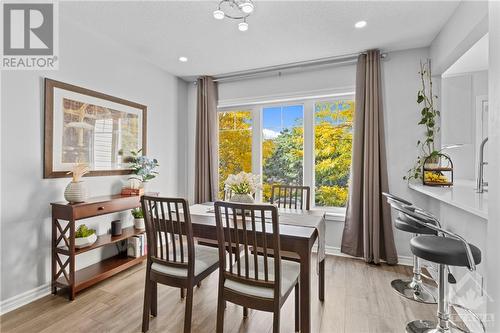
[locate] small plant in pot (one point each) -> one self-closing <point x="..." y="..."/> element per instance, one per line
<point x="138" y="215"/>
<point x="144" y="169"/>
<point x="76" y="190"/>
<point x="84" y="236"/>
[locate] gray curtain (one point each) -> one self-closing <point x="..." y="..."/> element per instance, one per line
<point x="368" y="228"/>
<point x="206" y="141"/>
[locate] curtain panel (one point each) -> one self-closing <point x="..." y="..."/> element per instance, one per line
<point x="368" y="229"/>
<point x="206" y="159"/>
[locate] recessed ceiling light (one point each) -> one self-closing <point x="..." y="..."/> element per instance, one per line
<point x="183" y="59"/>
<point x="360" y="24"/>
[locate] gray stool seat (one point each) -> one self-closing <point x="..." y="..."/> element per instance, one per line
<point x="409" y="226"/>
<point x="441" y="250"/>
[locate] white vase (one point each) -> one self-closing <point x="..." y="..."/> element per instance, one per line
<point x="242" y="198"/>
<point x="76" y="192"/>
<point x="139" y="224"/>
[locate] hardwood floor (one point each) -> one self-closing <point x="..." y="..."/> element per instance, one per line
<point x="359" y="299"/>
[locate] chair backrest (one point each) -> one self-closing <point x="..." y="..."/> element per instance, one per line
<point x="167" y="221"/>
<point x="250" y="226"/>
<point x="291" y="196"/>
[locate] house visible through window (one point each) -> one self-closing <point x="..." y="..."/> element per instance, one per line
<point x="306" y="142"/>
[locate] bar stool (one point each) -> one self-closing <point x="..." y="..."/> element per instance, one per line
<point x="414" y="289"/>
<point x="447" y="249"/>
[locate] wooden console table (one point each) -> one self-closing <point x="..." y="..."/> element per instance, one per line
<point x="64" y="216"/>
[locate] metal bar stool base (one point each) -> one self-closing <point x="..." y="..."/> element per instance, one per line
<point x="426" y="326"/>
<point x="415" y="292"/>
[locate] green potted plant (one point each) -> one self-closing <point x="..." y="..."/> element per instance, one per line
<point x="138" y="215"/>
<point x="429" y="119"/>
<point x="84" y="236"/>
<point x="144" y="170"/>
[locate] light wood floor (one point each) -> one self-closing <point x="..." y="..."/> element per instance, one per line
<point x="358" y="299"/>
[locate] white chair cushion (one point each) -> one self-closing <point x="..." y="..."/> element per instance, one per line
<point x="289" y="274"/>
<point x="204" y="257"/>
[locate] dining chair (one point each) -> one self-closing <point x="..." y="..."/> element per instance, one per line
<point x="253" y="280"/>
<point x="172" y="259"/>
<point x="291" y="196"/>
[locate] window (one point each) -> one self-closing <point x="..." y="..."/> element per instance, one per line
<point x="307" y="142"/>
<point x="332" y="150"/>
<point x="235" y="145"/>
<point x="282" y="147"/>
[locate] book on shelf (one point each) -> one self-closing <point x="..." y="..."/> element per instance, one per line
<point x="137" y="246"/>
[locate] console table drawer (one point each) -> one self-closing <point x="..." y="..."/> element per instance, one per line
<point x="102" y="208"/>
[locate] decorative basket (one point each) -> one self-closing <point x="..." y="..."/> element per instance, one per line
<point x="437" y="170"/>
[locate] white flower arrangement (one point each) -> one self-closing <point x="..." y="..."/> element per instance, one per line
<point x="242" y="183"/>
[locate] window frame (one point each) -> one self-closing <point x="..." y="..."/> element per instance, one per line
<point x="256" y="109"/>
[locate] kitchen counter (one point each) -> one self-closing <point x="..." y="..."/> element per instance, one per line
<point x="461" y="195"/>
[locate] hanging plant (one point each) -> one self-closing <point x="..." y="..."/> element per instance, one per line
<point x="429" y="120"/>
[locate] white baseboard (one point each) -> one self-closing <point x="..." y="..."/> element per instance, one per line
<point x="335" y="251"/>
<point x="24" y="298"/>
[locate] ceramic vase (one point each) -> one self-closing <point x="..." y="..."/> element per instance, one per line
<point x="242" y="198"/>
<point x="139" y="224"/>
<point x="76" y="192"/>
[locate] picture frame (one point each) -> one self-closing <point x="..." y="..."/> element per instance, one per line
<point x="86" y="126"/>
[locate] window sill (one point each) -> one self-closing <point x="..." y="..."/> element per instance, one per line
<point x="333" y="214"/>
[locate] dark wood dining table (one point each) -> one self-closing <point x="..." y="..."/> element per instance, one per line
<point x="293" y="238"/>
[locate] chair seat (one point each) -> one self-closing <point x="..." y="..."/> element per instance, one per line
<point x="204" y="258"/>
<point x="404" y="224"/>
<point x="443" y="250"/>
<point x="289" y="274"/>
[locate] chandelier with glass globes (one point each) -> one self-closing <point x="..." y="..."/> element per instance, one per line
<point x="236" y="10"/>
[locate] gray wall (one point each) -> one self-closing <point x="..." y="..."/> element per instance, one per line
<point x="93" y="62"/>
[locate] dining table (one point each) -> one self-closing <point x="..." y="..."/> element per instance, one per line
<point x="299" y="231"/>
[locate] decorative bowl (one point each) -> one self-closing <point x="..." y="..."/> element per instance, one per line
<point x="85" y="241"/>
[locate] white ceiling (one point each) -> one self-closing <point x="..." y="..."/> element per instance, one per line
<point x="474" y="60"/>
<point x="280" y="31"/>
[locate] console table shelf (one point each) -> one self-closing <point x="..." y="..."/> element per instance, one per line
<point x="108" y="239"/>
<point x="102" y="270"/>
<point x="64" y="217"/>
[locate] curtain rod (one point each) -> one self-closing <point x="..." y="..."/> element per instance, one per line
<point x="267" y="71"/>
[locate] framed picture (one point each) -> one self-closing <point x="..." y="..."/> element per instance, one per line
<point x="85" y="126"/>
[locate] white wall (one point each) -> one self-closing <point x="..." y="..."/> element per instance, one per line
<point x="458" y="119"/>
<point x="90" y="61"/>
<point x="401" y="83"/>
<point x="493" y="249"/>
<point x="465" y="27"/>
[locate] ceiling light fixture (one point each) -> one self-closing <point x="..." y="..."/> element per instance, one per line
<point x="236" y="10"/>
<point x="183" y="59"/>
<point x="360" y="24"/>
<point x="243" y="26"/>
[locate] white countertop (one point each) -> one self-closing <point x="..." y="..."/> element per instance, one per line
<point x="461" y="195"/>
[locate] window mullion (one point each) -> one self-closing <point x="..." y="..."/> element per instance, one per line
<point x="309" y="145"/>
<point x="257" y="144"/>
